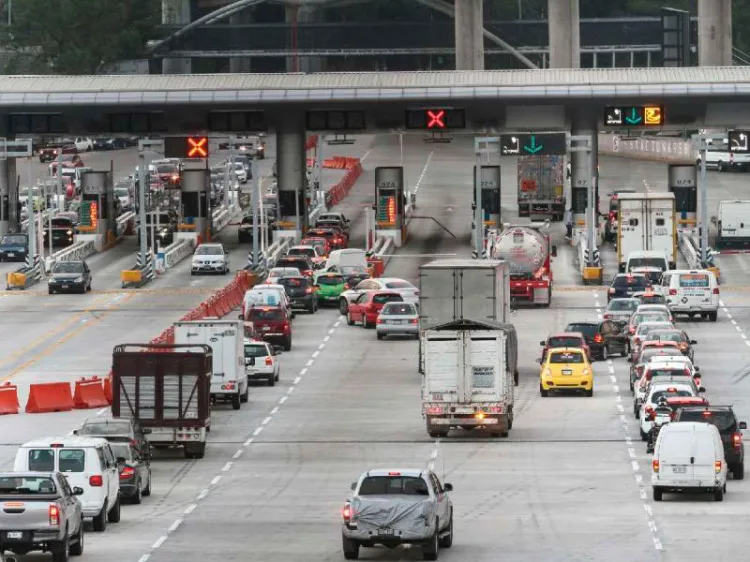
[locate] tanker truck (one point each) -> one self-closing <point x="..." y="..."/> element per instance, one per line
<point x="528" y="250"/>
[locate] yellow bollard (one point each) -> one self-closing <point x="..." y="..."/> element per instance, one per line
<point x="16" y="280"/>
<point x="131" y="276"/>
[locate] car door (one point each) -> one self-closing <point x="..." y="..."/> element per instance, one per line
<point x="112" y="475"/>
<point x="443" y="506"/>
<point x="358" y="307"/>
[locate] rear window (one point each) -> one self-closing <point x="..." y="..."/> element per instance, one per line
<point x="723" y="420"/>
<point x="291" y="282"/>
<point x="694" y="280"/>
<point x="399" y="309"/>
<point x="256" y="351"/>
<point x="677" y="337"/>
<point x="331" y="280"/>
<point x="101" y="428"/>
<point x="265" y="314"/>
<point x="652" y="299"/>
<point x="630" y="281"/>
<point x="588" y="330"/>
<point x="623" y="305"/>
<point x="299" y="264"/>
<point x="382" y="299"/>
<point x="651" y="316"/>
<point x="566" y="357"/>
<point x="671" y="372"/>
<point x="122" y="450"/>
<point x="388" y="485"/>
<point x="42" y="460"/>
<point x="302" y="252"/>
<point x="648" y="353"/>
<point x="398" y="285"/>
<point x="648" y="262"/>
<point x="72" y="460"/>
<point x="27" y="485"/>
<point x="565" y="341"/>
<point x="667" y="394"/>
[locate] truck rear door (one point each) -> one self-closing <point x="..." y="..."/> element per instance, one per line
<point x="633" y="228"/>
<point x="484" y="366"/>
<point x="661" y="227"/>
<point x="443" y="361"/>
<point x="471" y="282"/>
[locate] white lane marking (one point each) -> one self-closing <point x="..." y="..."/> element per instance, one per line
<point x="743" y="336"/>
<point x="238" y="454"/>
<point x="215" y="480"/>
<point x="283" y="399"/>
<point x="330" y="332"/>
<point x="203" y="494"/>
<point x="159" y="542"/>
<point x="364" y="156"/>
<point x="265" y="421"/>
<point x="189" y="509"/>
<point x="302" y="372"/>
<point x="144" y="558"/>
<point x="734" y="322"/>
<point x="290" y="390"/>
<point x="310" y="362"/>
<point x="747" y="342"/>
<point x="616" y="389"/>
<point x="327" y="338"/>
<point x="297" y="379"/>
<point x="175" y="525"/>
<point x="424" y="172"/>
<point x="631" y="452"/>
<point x="321" y="346"/>
<point x="315" y="354"/>
<point x="613" y="378"/>
<point x="275" y="409"/>
<point x="248" y="442"/>
<point x="102" y="411"/>
<point x="620" y="408"/>
<point x="598" y="310"/>
<point x="257" y="431"/>
<point x="227" y="467"/>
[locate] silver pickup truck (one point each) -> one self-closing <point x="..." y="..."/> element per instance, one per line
<point x="39" y="511"/>
<point x="398" y="506"/>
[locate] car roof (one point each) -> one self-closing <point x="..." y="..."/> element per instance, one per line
<point x="565" y="334"/>
<point x="586" y="323"/>
<point x="67" y="441"/>
<point x="722" y="408"/>
<point x="248" y="341"/>
<point x="415" y="472"/>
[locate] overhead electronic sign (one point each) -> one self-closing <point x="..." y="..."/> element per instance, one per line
<point x="738" y="141"/>
<point x="237" y="121"/>
<point x="336" y="120"/>
<point x="186" y="147"/>
<point x="533" y="144"/>
<point x="436" y="119"/>
<point x="634" y="116"/>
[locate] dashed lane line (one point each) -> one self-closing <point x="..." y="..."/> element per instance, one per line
<point x="424" y="172"/>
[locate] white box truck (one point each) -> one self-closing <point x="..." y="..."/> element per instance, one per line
<point x="468" y="377"/>
<point x="733" y="224"/>
<point x="226" y="339"/>
<point x="647" y="222"/>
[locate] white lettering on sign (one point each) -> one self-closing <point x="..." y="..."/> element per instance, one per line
<point x="484" y="377"/>
<point x="387" y="183"/>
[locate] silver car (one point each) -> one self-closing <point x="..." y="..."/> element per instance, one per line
<point x="621" y="309"/>
<point x="398" y="319"/>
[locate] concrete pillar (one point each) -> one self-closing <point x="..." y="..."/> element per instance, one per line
<point x="7" y="184"/>
<point x="715" y="32"/>
<point x="291" y="167"/>
<point x="469" y="35"/>
<point x="582" y="169"/>
<point x="564" y="34"/>
<point x="296" y="15"/>
<point x="176" y="12"/>
<point x="240" y="64"/>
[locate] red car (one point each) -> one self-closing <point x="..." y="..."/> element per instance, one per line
<point x="324" y="248"/>
<point x="368" y="305"/>
<point x="272" y="323"/>
<point x="68" y="161"/>
<point x="333" y="235"/>
<point x="565" y="339"/>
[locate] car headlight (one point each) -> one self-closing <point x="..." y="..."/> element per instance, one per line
<point x="78" y="280"/>
<point x="52" y="280"/>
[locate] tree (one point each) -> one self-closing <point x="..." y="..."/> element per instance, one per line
<point x="81" y="36"/>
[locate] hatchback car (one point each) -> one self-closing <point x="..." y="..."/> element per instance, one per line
<point x="134" y="469"/>
<point x="603" y="338"/>
<point x="14" y="247"/>
<point x="398" y="319"/>
<point x="674" y="335"/>
<point x="303" y="263"/>
<point x="626" y="285"/>
<point x="262" y="361"/>
<point x="565" y="339"/>
<point x="301" y="292"/>
<point x="63" y="231"/>
<point x="117" y="429"/>
<point x="408" y="292"/>
<point x="621" y="309"/>
<point x="368" y="305"/>
<point x="278" y="272"/>
<point x="69" y="277"/>
<point x="650" y="297"/>
<point x="566" y="369"/>
<point x="210" y="258"/>
<point x="330" y="286"/>
<point x="272" y="323"/>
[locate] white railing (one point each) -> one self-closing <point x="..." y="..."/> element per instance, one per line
<point x="385" y="247"/>
<point x="178" y="251"/>
<point x="123" y="220"/>
<point x="689" y="251"/>
<point x="44" y="216"/>
<point x="78" y="251"/>
<point x="221" y="217"/>
<point x="580" y="254"/>
<point x="377" y="247"/>
<point x="317" y="211"/>
<point x="277" y="250"/>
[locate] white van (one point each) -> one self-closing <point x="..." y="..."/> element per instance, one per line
<point x="691" y="292"/>
<point x="689" y="457"/>
<point x="87" y="463"/>
<point x="652" y="263"/>
<point x="350" y="257"/>
<point x="733" y="224"/>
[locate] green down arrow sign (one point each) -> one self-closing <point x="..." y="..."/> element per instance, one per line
<point x="633" y="118"/>
<point x="532" y="147"/>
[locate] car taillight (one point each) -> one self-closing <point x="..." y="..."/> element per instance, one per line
<point x="636" y="340"/>
<point x="96" y="481"/>
<point x="54" y="514"/>
<point x="649" y="410"/>
<point x="269" y="361"/>
<point x="716" y="291"/>
<point x="127" y="473"/>
<point x="639" y="370"/>
<point x="655" y="466"/>
<point x="379" y="320"/>
<point x="285" y="327"/>
<point x="612" y="216"/>
<point x="672" y="292"/>
<point x="737" y="440"/>
<point x="346" y="286"/>
<point x="308" y="290"/>
<point x="632" y="330"/>
<point x="607" y="316"/>
<point x="346" y="513"/>
<point x="611" y="290"/>
<point x="414" y="321"/>
<point x="717" y="466"/>
<point x="598" y="338"/>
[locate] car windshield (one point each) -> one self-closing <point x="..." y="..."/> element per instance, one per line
<point x="623" y="305"/>
<point x="122" y="450"/>
<point x="668" y="394"/>
<point x="670" y="335"/>
<point x="14" y="239"/>
<point x="635" y="281"/>
<point x="559" y="357"/>
<point x="273" y="314"/>
<point x="105" y="428"/>
<point x="209" y="251"/>
<point x="382" y="299"/>
<point x="722" y="419"/>
<point x="26" y="485"/>
<point x="393" y="485"/>
<point x="588" y="330"/>
<point x="661" y="263"/>
<point x="399" y="309"/>
<point x="67" y="267"/>
<point x="564" y="341"/>
<point x="399" y="285"/>
<point x="255" y="350"/>
<point x="310" y="252"/>
<point x="166" y="169"/>
<point x="331" y="280"/>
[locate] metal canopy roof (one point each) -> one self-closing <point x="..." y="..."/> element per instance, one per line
<point x="373" y="86"/>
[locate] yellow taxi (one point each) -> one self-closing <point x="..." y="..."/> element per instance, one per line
<point x="566" y="368"/>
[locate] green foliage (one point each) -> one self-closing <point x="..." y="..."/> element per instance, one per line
<point x="81" y="36"/>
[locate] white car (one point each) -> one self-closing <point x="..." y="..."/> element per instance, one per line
<point x="311" y="252"/>
<point x="656" y="391"/>
<point x="84" y="144"/>
<point x="655" y="307"/>
<point x="407" y="291"/>
<point x="279" y="296"/>
<point x="640" y="334"/>
<point x="663" y="370"/>
<point x="262" y="361"/>
<point x="210" y="258"/>
<point x="239" y="172"/>
<point x="278" y="272"/>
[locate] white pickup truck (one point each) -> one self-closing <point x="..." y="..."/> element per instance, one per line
<point x="723" y="160"/>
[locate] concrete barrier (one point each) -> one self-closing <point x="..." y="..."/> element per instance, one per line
<point x="78" y="251"/>
<point x="178" y="251"/>
<point x="126" y="224"/>
<point x="656" y="149"/>
<point x="45" y="215"/>
<point x="221" y="217"/>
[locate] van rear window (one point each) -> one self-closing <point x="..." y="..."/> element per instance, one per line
<point x="72" y="460"/>
<point x="42" y="460"/>
<point x="260" y="314"/>
<point x="694" y="280"/>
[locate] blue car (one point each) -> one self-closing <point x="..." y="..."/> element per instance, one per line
<point x="14" y="247"/>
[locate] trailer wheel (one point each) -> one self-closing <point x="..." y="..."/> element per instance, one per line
<point x="236" y="401"/>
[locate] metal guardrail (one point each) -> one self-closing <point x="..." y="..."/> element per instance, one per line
<point x="178" y="251"/>
<point x="123" y="220"/>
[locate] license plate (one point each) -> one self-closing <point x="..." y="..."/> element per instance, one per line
<point x="11" y="255"/>
<point x="567" y="371"/>
<point x="386" y="532"/>
<point x="266" y="328"/>
<point x="65" y="287"/>
<point x="679" y="469"/>
<point x="18" y="535"/>
<point x="397" y="322"/>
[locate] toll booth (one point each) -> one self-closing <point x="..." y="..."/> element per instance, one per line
<point x="390" y="204"/>
<point x="683" y="182"/>
<point x="489" y="178"/>
<point x="97" y="220"/>
<point x="196" y="205"/>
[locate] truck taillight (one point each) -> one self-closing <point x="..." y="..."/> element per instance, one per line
<point x="716" y="290"/>
<point x="54" y="514"/>
<point x="672" y="292"/>
<point x="737" y="440"/>
<point x="269" y="361"/>
<point x="96" y="481"/>
<point x="414" y="321"/>
<point x="717" y="466"/>
<point x="655" y="466"/>
<point x="346" y="513"/>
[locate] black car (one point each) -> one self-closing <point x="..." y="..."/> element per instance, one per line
<point x="730" y="429"/>
<point x="134" y="469"/>
<point x="69" y="277"/>
<point x="627" y="284"/>
<point x="124" y="428"/>
<point x="604" y="337"/>
<point x="14" y="247"/>
<point x="63" y="232"/>
<point x="165" y="226"/>
<point x="301" y="292"/>
<point x="302" y="263"/>
<point x="245" y="230"/>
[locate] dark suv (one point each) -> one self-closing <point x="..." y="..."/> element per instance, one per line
<point x="627" y="284"/>
<point x="603" y="337"/>
<point x="303" y="263"/>
<point x="730" y="429"/>
<point x="301" y="292"/>
<point x="272" y="323"/>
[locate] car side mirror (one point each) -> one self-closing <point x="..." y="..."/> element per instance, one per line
<point x="693" y="342"/>
<point x="697" y="369"/>
<point x="553" y="251"/>
<point x="448" y="487"/>
<point x="743" y="425"/>
<point x="539" y="360"/>
<point x="77" y="491"/>
<point x="75" y="432"/>
<point x="542" y="343"/>
<point x="630" y="359"/>
<point x="146" y="431"/>
<point x="702" y="389"/>
<point x="354" y="485"/>
<point x="241" y="316"/>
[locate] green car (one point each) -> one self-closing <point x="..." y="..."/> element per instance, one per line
<point x="329" y="287"/>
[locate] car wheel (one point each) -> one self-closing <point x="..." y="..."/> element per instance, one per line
<point x="246" y="395"/>
<point x="657" y="494"/>
<point x="278" y="374"/>
<point x="114" y="514"/>
<point x="431" y="550"/>
<point x="288" y="345"/>
<point x="349" y="320"/>
<point x="589" y="393"/>
<point x="738" y="471"/>
<point x="351" y="548"/>
<point x="644" y="436"/>
<point x="626" y="349"/>
<point x="51" y="292"/>
<point x="77" y="548"/>
<point x="713" y="316"/>
<point x="136" y="499"/>
<point x="147" y="489"/>
<point x="380" y="336"/>
<point x="604" y="354"/>
<point x="236" y="401"/>
<point x="719" y="495"/>
<point x="100" y="521"/>
<point x="343" y="306"/>
<point x="543" y="392"/>
<point x="61" y="551"/>
<point x="271" y="381"/>
<point x="446" y="541"/>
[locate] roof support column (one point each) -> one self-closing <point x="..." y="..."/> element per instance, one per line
<point x="176" y="12"/>
<point x="715" y="32"/>
<point x="9" y="211"/>
<point x="469" y="35"/>
<point x="240" y="64"/>
<point x="296" y="15"/>
<point x="564" y="34"/>
<point x="584" y="180"/>
<point x="291" y="170"/>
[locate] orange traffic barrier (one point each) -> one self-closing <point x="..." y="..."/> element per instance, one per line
<point x="89" y="393"/>
<point x="311" y="142"/>
<point x="378" y="267"/>
<point x="49" y="397"/>
<point x="8" y="399"/>
<point x="107" y="387"/>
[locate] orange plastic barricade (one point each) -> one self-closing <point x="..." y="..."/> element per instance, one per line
<point x="49" y="397"/>
<point x="89" y="393"/>
<point x="108" y="388"/>
<point x="378" y="267"/>
<point x="8" y="399"/>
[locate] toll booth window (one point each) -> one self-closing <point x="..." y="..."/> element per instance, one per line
<point x="686" y="199"/>
<point x="190" y="204"/>
<point x="580" y="199"/>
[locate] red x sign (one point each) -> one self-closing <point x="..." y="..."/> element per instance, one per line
<point x="197" y="147"/>
<point x="435" y="119"/>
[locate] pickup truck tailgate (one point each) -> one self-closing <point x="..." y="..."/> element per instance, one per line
<point x="25" y="514"/>
<point x="400" y="513"/>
